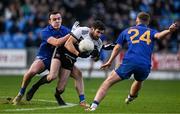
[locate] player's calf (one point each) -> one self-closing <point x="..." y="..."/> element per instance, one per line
<point x="58" y="97"/>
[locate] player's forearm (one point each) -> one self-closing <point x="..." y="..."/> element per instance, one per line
<point x="114" y="53"/>
<point x="70" y="47"/>
<point x="162" y="34"/>
<point x="62" y="40"/>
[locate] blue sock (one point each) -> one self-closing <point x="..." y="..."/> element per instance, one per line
<point x="81" y="98"/>
<point x="22" y="91"/>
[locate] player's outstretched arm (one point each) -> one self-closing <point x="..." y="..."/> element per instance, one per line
<point x="171" y="29"/>
<point x="112" y="57"/>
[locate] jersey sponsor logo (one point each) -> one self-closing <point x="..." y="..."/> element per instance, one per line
<point x="84" y="32"/>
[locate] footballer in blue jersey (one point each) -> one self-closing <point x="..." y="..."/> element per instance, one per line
<point x="46" y="49"/>
<point x="53" y="35"/>
<point x="137" y="60"/>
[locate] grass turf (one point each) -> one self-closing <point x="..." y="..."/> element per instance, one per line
<point x="156" y="96"/>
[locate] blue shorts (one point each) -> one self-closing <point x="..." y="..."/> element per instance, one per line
<point x="126" y="69"/>
<point x="46" y="61"/>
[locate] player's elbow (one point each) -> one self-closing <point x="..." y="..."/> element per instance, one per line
<point x="62" y="40"/>
<point x="157" y="35"/>
<point x="67" y="44"/>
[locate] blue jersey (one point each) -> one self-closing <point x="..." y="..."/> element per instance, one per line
<point x="46" y="49"/>
<point x="140" y="40"/>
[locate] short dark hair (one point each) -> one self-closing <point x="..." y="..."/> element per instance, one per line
<point x="144" y="17"/>
<point x="53" y="13"/>
<point x="98" y="25"/>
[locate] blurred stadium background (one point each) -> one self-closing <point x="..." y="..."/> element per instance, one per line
<point x="22" y="20"/>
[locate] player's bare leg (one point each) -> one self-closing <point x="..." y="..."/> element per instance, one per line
<point x="79" y="85"/>
<point x="135" y="87"/>
<point x="36" y="67"/>
<point x="101" y="93"/>
<point x="54" y="70"/>
<point x="63" y="78"/>
<point x="90" y="68"/>
<point x="55" y="65"/>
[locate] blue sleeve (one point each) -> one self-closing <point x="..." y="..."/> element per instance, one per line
<point x="45" y="35"/>
<point x="153" y="32"/>
<point x="65" y="30"/>
<point x="121" y="38"/>
<point x="103" y="37"/>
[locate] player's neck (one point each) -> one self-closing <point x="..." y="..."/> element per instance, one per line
<point x="141" y="24"/>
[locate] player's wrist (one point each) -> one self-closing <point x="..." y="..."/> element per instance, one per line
<point x="77" y="53"/>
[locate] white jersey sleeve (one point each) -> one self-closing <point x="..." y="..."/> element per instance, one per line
<point x="80" y="31"/>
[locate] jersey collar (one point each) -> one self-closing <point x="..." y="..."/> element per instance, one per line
<point x="51" y="28"/>
<point x="142" y="25"/>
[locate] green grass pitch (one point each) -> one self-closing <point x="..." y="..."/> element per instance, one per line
<point x="156" y="96"/>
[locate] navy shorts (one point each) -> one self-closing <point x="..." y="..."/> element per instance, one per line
<point x="67" y="59"/>
<point x="46" y="61"/>
<point x="126" y="69"/>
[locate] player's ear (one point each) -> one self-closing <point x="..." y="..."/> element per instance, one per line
<point x="49" y="21"/>
<point x="92" y="29"/>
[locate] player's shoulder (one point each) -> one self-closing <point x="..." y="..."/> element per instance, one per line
<point x="83" y="29"/>
<point x="126" y="30"/>
<point x="47" y="28"/>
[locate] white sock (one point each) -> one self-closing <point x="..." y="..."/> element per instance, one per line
<point x="93" y="105"/>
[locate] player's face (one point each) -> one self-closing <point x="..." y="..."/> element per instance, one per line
<point x="55" y="20"/>
<point x="96" y="33"/>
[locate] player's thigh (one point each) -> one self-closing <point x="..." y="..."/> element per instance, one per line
<point x="63" y="77"/>
<point x="125" y="70"/>
<point x="37" y="66"/>
<point x="76" y="73"/>
<point x="113" y="78"/>
<point x="54" y="68"/>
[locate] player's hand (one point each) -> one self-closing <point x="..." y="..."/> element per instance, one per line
<point x="75" y="26"/>
<point x="105" y="66"/>
<point x="84" y="54"/>
<point x="173" y="27"/>
<point x="95" y="53"/>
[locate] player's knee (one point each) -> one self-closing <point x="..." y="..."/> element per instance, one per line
<point x="59" y="91"/>
<point x="51" y="77"/>
<point x="31" y="73"/>
<point x="79" y="75"/>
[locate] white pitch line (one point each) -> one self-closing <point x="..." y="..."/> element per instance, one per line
<point x="43" y="100"/>
<point x="42" y="108"/>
